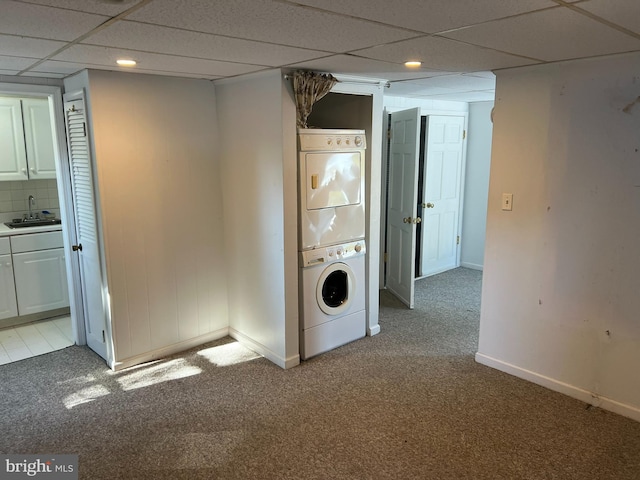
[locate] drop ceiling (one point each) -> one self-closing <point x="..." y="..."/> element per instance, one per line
<point x="459" y="42"/>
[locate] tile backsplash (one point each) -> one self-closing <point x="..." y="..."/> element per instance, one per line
<point x="14" y="196"/>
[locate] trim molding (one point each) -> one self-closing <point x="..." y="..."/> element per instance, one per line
<point x="473" y="266"/>
<point x="269" y="354"/>
<point x="170" y="350"/>
<point x="557" y="386"/>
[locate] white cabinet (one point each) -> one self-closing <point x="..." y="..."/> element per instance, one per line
<point x="8" y="305"/>
<point x="41" y="282"/>
<point x="26" y="139"/>
<point x="38" y="137"/>
<point x="39" y="272"/>
<point x="13" y="153"/>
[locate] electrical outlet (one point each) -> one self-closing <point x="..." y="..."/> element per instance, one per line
<point x="507" y="201"/>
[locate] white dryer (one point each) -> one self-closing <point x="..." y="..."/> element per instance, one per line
<point x="332" y="300"/>
<point x="331" y="186"/>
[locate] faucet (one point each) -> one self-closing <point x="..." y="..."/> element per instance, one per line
<point x="31" y="202"/>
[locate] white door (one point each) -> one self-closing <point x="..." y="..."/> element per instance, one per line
<point x="87" y="246"/>
<point x="442" y="186"/>
<point x="402" y="204"/>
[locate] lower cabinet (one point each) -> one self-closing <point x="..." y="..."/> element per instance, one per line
<point x="8" y="304"/>
<point x="41" y="282"/>
<point x="33" y="276"/>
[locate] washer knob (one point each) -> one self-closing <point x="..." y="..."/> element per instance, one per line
<point x="358" y="248"/>
<point x="358" y="141"/>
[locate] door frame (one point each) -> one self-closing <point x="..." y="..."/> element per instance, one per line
<point x="424" y="112"/>
<point x="63" y="179"/>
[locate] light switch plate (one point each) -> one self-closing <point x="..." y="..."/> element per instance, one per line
<point x="507" y="201"/>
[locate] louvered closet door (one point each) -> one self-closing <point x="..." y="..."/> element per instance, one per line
<point x="86" y="229"/>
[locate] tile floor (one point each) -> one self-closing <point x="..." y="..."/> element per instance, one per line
<point x="24" y="341"/>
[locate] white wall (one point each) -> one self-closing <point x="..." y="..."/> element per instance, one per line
<point x="560" y="295"/>
<point x="258" y="137"/>
<point x="476" y="185"/>
<point x="155" y="141"/>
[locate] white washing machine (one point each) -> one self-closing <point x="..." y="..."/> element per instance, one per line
<point x="332" y="300"/>
<point x="331" y="186"/>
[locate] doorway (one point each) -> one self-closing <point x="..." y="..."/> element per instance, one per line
<point x="65" y="325"/>
<point x="424" y="180"/>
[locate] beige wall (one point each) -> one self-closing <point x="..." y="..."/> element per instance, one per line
<point x="560" y="296"/>
<point x="160" y="200"/>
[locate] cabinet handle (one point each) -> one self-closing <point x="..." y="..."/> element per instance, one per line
<point x="75" y="248"/>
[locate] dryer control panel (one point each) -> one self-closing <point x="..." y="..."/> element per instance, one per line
<point x="333" y="253"/>
<point x="320" y="139"/>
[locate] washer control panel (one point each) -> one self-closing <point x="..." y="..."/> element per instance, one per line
<point x="332" y="253"/>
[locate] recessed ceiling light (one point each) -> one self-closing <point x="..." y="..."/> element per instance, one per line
<point x="412" y="64"/>
<point x="126" y="63"/>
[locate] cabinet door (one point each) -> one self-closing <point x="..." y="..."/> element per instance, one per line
<point x="38" y="138"/>
<point x="8" y="305"/>
<point x="41" y="281"/>
<point x="13" y="155"/>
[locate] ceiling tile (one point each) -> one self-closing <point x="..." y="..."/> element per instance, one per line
<point x="154" y="38"/>
<point x="567" y="35"/>
<point x="462" y="82"/>
<point x="349" y="64"/>
<point x="15" y="63"/>
<point x="625" y="13"/>
<point x="270" y="21"/>
<point x="442" y="54"/>
<point x="43" y="74"/>
<point x="59" y="68"/>
<point x="27" y="47"/>
<point x="104" y="56"/>
<point x="111" y="9"/>
<point x="430" y="16"/>
<point x="45" y="22"/>
<point x="485" y="96"/>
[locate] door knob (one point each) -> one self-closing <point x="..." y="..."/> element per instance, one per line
<point x="407" y="220"/>
<point x="417" y="220"/>
<point x="428" y="205"/>
<point x="75" y="248"/>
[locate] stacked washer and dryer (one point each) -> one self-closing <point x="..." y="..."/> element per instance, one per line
<point x="331" y="181"/>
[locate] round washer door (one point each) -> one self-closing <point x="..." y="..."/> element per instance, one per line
<point x="335" y="289"/>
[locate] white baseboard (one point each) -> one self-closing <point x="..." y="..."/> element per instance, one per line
<point x="473" y="266"/>
<point x="371" y="331"/>
<point x="575" y="392"/>
<point x="285" y="363"/>
<point x="170" y="350"/>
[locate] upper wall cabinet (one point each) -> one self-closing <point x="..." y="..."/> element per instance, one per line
<point x="26" y="140"/>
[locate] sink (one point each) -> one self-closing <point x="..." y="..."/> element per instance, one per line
<point x="40" y="222"/>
